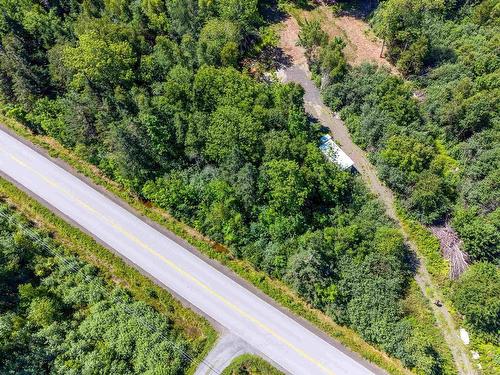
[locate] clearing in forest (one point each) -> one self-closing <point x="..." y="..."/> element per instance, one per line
<point x="362" y="44"/>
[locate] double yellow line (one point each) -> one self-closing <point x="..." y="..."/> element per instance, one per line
<point x="172" y="265"/>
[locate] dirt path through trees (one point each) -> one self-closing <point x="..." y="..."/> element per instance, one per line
<point x="299" y="72"/>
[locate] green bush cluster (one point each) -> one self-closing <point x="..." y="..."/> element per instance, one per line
<point x="250" y="365"/>
<point x="325" y="57"/>
<point x="383" y="117"/>
<point x="58" y="315"/>
<point x="440" y="155"/>
<point x="477" y="296"/>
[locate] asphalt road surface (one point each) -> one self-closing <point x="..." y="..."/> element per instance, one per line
<point x="286" y="342"/>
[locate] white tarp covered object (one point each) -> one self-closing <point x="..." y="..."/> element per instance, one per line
<point x="334" y="153"/>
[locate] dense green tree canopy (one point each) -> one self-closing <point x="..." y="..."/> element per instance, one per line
<point x="477" y="297"/>
<point x="152" y="93"/>
<point x="58" y="315"/>
<point x="434" y="135"/>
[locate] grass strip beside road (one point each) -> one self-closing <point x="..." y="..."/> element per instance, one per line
<point x="273" y="288"/>
<point x="428" y="247"/>
<point x="248" y="364"/>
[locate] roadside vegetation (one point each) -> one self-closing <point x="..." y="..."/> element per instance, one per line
<point x="273" y="287"/>
<point x="250" y="365"/>
<point x="157" y="104"/>
<point x="59" y="314"/>
<point x="153" y="95"/>
<point x="433" y="134"/>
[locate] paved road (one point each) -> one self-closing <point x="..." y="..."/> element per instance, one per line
<point x="227" y="348"/>
<point x="289" y="344"/>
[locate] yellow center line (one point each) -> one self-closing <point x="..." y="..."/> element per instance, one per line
<point x="174" y="266"/>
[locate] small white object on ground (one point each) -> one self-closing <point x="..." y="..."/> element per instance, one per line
<point x="475" y="355"/>
<point x="464" y="335"/>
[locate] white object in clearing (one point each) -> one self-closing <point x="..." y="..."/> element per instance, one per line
<point x="464" y="335"/>
<point x="334" y="153"/>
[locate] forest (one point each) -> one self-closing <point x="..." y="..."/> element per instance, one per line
<point x="58" y="315"/>
<point x="439" y="153"/>
<point x="433" y="131"/>
<point x="154" y="94"/>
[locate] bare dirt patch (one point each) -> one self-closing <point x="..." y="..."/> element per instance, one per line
<point x="288" y="41"/>
<point x="362" y="44"/>
<point x="367" y="45"/>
